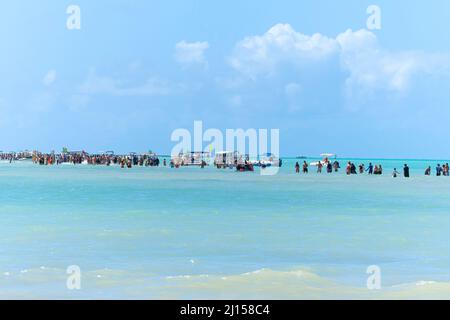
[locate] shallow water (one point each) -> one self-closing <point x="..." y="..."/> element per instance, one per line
<point x="193" y="233"/>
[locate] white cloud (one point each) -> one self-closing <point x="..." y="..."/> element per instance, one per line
<point x="151" y="87"/>
<point x="190" y="53"/>
<point x="292" y="89"/>
<point x="96" y="84"/>
<point x="371" y="68"/>
<point x="259" y="55"/>
<point x="49" y="78"/>
<point x="368" y="66"/>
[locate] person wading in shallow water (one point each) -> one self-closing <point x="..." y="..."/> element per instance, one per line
<point x="406" y="171"/>
<point x="297" y="167"/>
<point x="438" y="170"/>
<point x="361" y="168"/>
<point x="336" y="166"/>
<point x="305" y="167"/>
<point x="395" y="173"/>
<point x="348" y="168"/>
<point x="370" y="168"/>
<point x="319" y="167"/>
<point x="329" y="167"/>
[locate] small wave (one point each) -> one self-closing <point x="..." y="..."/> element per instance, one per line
<point x="424" y="283"/>
<point x="298" y="283"/>
<point x="293" y="284"/>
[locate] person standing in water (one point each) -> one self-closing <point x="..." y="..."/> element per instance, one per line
<point x="395" y="173"/>
<point x="428" y="171"/>
<point x="348" y="168"/>
<point x="353" y="168"/>
<point x="319" y="167"/>
<point x="438" y="170"/>
<point x="329" y="167"/>
<point x="297" y="167"/>
<point x="305" y="167"/>
<point x="336" y="166"/>
<point x="406" y="171"/>
<point x="370" y="168"/>
<point x="361" y="168"/>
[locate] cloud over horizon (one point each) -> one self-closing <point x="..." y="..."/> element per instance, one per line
<point x="191" y="53"/>
<point x="367" y="66"/>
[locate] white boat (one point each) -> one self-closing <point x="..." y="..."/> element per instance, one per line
<point x="196" y="158"/>
<point x="226" y="159"/>
<point x="326" y="159"/>
<point x="266" y="160"/>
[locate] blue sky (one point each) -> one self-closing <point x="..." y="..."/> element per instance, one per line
<point x="137" y="70"/>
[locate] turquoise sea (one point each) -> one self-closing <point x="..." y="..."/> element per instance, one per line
<point x="152" y="233"/>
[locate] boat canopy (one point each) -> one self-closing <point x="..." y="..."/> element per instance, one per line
<point x="328" y="155"/>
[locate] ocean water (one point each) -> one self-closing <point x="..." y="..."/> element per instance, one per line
<point x="154" y="233"/>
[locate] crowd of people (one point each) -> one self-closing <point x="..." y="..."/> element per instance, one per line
<point x="100" y="159"/>
<point x="441" y="170"/>
<point x="330" y="167"/>
<point x="15" y="156"/>
<point x="153" y="160"/>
